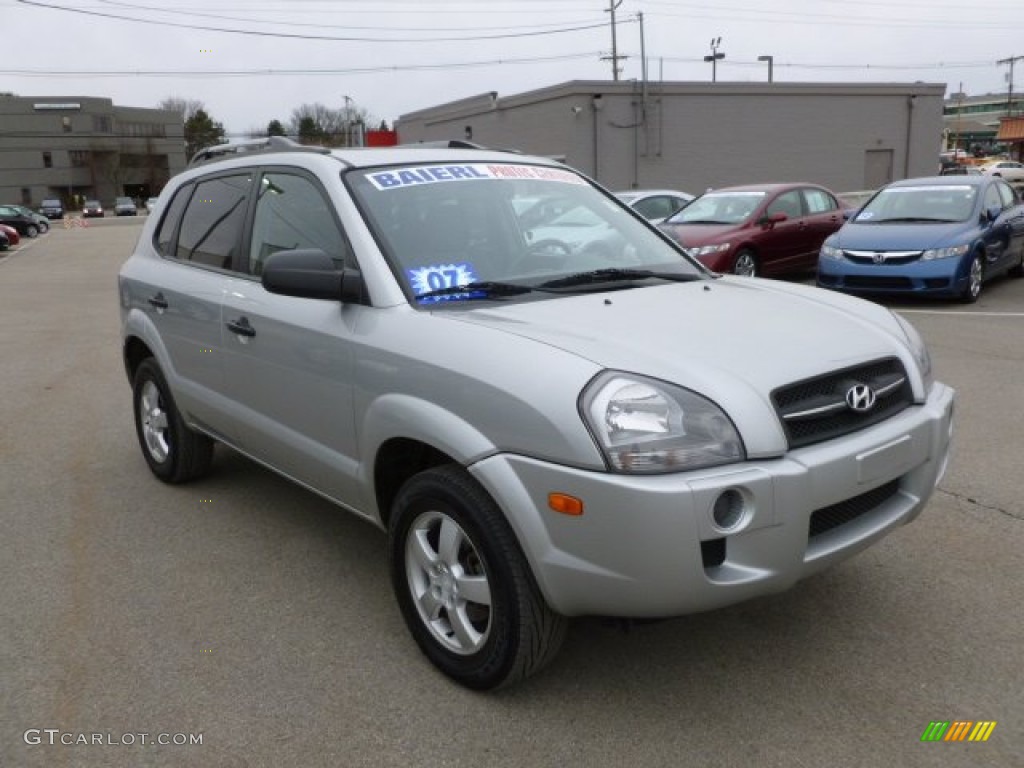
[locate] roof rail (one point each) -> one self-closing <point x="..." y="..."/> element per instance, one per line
<point x="269" y="144"/>
<point x="456" y="144"/>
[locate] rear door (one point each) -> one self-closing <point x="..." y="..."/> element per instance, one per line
<point x="197" y="238"/>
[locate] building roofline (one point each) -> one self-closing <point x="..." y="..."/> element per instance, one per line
<point x="488" y="102"/>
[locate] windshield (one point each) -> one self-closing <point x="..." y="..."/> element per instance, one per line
<point x="719" y="208"/>
<point x="522" y="226"/>
<point x="938" y="203"/>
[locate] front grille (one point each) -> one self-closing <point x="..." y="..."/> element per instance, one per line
<point x="829" y="518"/>
<point x="816" y="409"/>
<point x="860" y="258"/>
<point x="878" y="283"/>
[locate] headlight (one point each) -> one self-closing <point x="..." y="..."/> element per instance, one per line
<point x="831" y="252"/>
<point x="920" y="351"/>
<point x="646" y="426"/>
<point x="707" y="250"/>
<point x="945" y="253"/>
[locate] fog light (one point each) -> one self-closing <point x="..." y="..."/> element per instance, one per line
<point x="729" y="510"/>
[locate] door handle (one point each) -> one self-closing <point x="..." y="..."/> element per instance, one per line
<point x="158" y="300"/>
<point x="241" y="326"/>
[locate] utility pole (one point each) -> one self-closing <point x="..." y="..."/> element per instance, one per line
<point x="612" y="6"/>
<point x="714" y="58"/>
<point x="1009" y="91"/>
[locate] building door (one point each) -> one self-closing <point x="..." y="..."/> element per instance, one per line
<point x="877" y="168"/>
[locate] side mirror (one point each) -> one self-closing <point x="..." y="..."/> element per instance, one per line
<point x="849" y="213"/>
<point x="992" y="213"/>
<point x="309" y="273"/>
<point x="776" y="218"/>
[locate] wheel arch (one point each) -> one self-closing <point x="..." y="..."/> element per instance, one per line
<point x="406" y="435"/>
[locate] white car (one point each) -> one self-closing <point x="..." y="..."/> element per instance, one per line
<point x="655" y="205"/>
<point x="1010" y="170"/>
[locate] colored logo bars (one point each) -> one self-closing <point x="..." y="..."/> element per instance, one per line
<point x="958" y="730"/>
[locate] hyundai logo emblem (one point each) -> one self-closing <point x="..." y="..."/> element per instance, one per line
<point x="860" y="398"/>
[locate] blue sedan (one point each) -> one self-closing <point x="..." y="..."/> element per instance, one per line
<point x="941" y="236"/>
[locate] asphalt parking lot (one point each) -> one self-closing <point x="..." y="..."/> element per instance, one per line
<point x="252" y="613"/>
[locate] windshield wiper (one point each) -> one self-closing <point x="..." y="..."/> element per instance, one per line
<point x="614" y="275"/>
<point x="908" y="220"/>
<point x="699" y="221"/>
<point x="483" y="289"/>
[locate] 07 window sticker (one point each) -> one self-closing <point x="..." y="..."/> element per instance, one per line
<point x="435" y="277"/>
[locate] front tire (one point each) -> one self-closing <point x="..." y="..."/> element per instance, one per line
<point x="745" y="264"/>
<point x="975" y="278"/>
<point x="31" y="230"/>
<point x="174" y="452"/>
<point x="463" y="585"/>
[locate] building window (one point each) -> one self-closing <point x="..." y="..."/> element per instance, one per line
<point x="66" y="124"/>
<point x="101" y="123"/>
<point x="79" y="157"/>
<point x="26" y="196"/>
<point x="47" y="160"/>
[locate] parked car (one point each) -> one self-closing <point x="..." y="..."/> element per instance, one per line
<point x="26" y="225"/>
<point x="41" y="221"/>
<point x="124" y="206"/>
<point x="655" y="205"/>
<point x="759" y="229"/>
<point x="960" y="170"/>
<point x="5" y="243"/>
<point x="151" y="204"/>
<point x="939" y="236"/>
<point x="92" y="209"/>
<point x="52" y="208"/>
<point x="538" y="441"/>
<point x="1010" y="170"/>
<point x="10" y="234"/>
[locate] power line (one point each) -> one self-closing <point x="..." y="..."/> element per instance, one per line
<point x="296" y="36"/>
<point x="121" y="73"/>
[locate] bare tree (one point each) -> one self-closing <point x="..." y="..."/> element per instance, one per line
<point x="187" y="108"/>
<point x="334" y="127"/>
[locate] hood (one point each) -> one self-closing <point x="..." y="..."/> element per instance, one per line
<point x="733" y="340"/>
<point x="689" y="235"/>
<point x="902" y="237"/>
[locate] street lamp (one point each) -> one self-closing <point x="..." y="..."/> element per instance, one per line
<point x="770" y="60"/>
<point x="714" y="57"/>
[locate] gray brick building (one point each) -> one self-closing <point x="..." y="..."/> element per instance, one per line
<point x="691" y="136"/>
<point x="76" y="147"/>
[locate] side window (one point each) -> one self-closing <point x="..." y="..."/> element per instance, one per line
<point x="292" y="212"/>
<point x="1007" y="194"/>
<point x="992" y="198"/>
<point x="656" y="207"/>
<point x="212" y="226"/>
<point x="819" y="201"/>
<point x="787" y="203"/>
<point x="165" y="232"/>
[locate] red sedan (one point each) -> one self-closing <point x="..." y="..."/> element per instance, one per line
<point x="758" y="229"/>
<point x="13" y="238"/>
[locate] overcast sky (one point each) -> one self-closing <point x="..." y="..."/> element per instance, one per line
<point x="251" y="61"/>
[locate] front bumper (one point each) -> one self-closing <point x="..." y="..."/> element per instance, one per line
<point x="940" y="277"/>
<point x="648" y="546"/>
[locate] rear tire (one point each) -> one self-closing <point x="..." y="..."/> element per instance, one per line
<point x="32" y="230"/>
<point x="174" y="452"/>
<point x="463" y="585"/>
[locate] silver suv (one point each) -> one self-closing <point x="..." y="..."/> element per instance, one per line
<point x="548" y="421"/>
